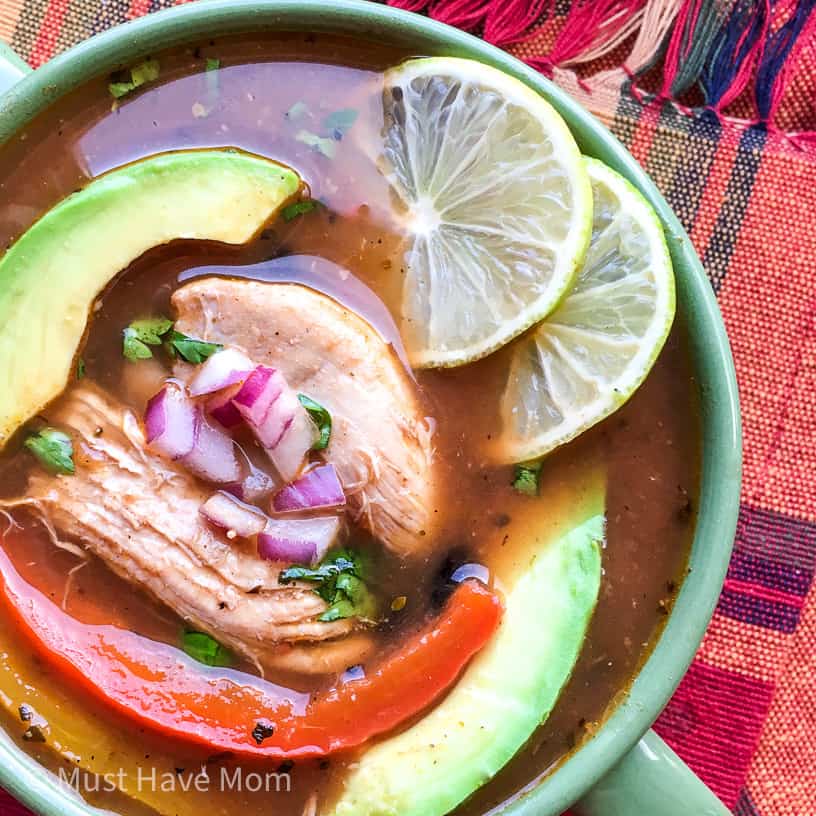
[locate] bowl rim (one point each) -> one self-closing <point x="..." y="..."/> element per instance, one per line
<point x="720" y="478"/>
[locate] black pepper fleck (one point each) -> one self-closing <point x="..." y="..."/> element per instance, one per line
<point x="262" y="731"/>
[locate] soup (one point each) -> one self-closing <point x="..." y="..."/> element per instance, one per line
<point x="248" y="465"/>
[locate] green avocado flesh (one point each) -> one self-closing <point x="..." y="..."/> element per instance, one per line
<point x="511" y="687"/>
<point x="51" y="276"/>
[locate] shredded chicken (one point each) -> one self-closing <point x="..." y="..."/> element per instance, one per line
<point x="140" y="514"/>
<point x="381" y="442"/>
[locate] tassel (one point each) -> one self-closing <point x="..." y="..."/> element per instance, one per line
<point x="592" y="28"/>
<point x="509" y="21"/>
<point x="736" y="50"/>
<point x="691" y="41"/>
<point x="779" y="56"/>
<point x="410" y="5"/>
<point x="658" y="17"/>
<point x="465" y="14"/>
<point x="612" y="32"/>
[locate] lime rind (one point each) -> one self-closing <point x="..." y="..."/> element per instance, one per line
<point x="496" y="203"/>
<point x="592" y="353"/>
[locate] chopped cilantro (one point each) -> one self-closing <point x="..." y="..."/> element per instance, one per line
<point x="292" y="211"/>
<point x="321" y="417"/>
<point x="134" y="349"/>
<point x="297" y="110"/>
<point x="54" y="450"/>
<point x="141" y="334"/>
<point x="123" y="82"/>
<point x="213" y="64"/>
<point x="201" y="647"/>
<point x="147" y="71"/>
<point x="338" y="123"/>
<point x="526" y="478"/>
<point x="328" y="147"/>
<point x="351" y="598"/>
<point x="325" y="575"/>
<point x="153" y="331"/>
<point x="190" y="349"/>
<point x="80" y="368"/>
<point x="339" y="582"/>
<point x="119" y="89"/>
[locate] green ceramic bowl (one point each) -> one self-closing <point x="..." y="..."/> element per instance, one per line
<point x="624" y="770"/>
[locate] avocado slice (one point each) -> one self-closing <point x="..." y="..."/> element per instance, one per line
<point x="509" y="689"/>
<point x="52" y="274"/>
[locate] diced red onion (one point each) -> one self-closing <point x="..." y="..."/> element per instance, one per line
<point x="225" y="512"/>
<point x="293" y="447"/>
<point x="222" y="369"/>
<point x="271" y="409"/>
<point x="213" y="455"/>
<point x="319" y="487"/>
<point x="235" y="489"/>
<point x="170" y="422"/>
<point x="260" y="389"/>
<point x="278" y="420"/>
<point x="223" y="410"/>
<point x="298" y="541"/>
<point x="255" y="483"/>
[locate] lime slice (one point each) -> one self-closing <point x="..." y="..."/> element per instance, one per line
<point x="592" y="353"/>
<point x="495" y="203"/>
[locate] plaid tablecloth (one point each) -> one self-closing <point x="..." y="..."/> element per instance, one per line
<point x="716" y="99"/>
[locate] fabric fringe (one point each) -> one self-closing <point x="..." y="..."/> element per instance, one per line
<point x="410" y="5"/>
<point x="728" y="49"/>
<point x="779" y="57"/>
<point x="656" y="21"/>
<point x="734" y="54"/>
<point x="464" y="14"/>
<point x="510" y="21"/>
<point x="691" y="40"/>
<point x="591" y="29"/>
<point x="658" y="17"/>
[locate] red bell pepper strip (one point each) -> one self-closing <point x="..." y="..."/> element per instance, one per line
<point x="159" y="687"/>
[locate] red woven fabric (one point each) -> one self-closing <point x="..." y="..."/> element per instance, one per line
<point x="741" y="174"/>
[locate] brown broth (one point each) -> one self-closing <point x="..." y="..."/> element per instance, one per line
<point x="350" y="251"/>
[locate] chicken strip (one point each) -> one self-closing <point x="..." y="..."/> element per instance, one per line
<point x="140" y="514"/>
<point x="381" y="442"/>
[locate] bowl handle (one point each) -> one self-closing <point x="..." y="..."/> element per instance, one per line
<point x="651" y="779"/>
<point x="12" y="68"/>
